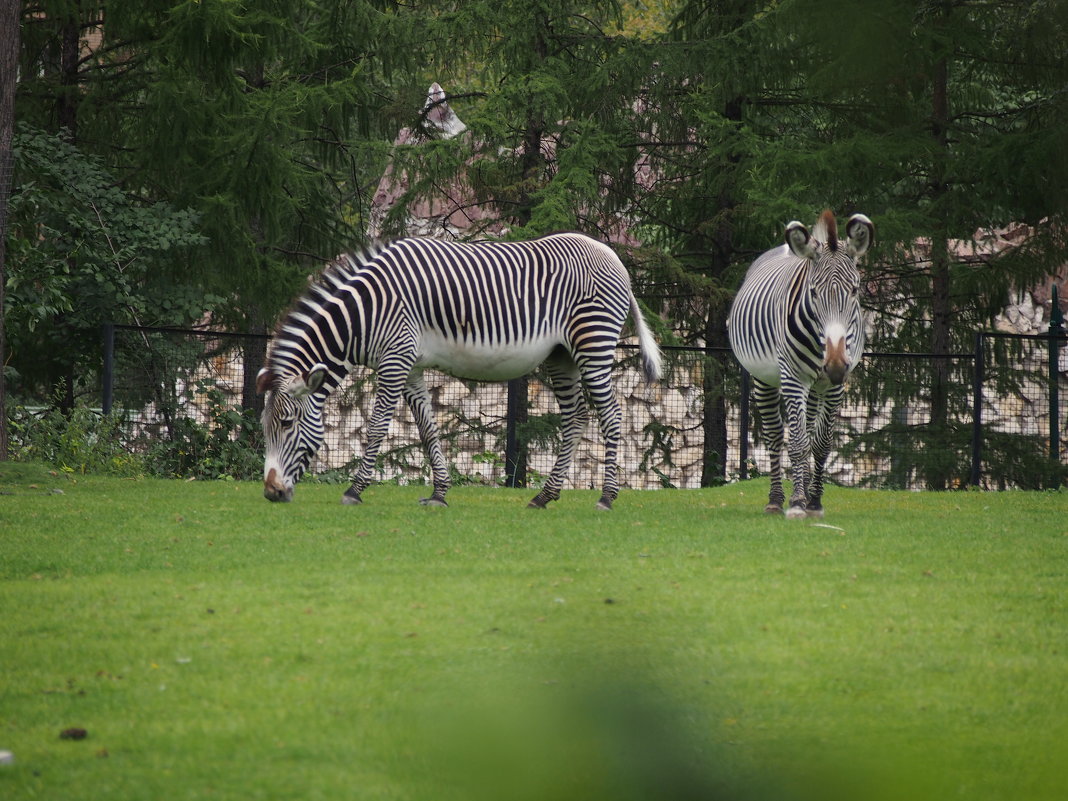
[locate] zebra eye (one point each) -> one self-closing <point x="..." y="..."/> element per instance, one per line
<point x="286" y="423"/>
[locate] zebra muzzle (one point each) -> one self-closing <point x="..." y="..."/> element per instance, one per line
<point x="835" y="360"/>
<point x="274" y="489"/>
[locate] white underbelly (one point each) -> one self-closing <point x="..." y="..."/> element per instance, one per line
<point x="764" y="368"/>
<point x="482" y="362"/>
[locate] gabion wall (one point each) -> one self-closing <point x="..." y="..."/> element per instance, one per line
<point x="885" y="437"/>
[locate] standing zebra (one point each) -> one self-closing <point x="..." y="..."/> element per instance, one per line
<point x="796" y="325"/>
<point x="484" y="311"/>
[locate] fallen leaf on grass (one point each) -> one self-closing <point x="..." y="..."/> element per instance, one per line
<point x="73" y="734"/>
<point x="826" y="525"/>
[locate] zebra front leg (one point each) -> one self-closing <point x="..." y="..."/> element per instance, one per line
<point x="391" y="378"/>
<point x="566" y="385"/>
<point x="767" y="399"/>
<point x="418" y="400"/>
<point x="795" y="395"/>
<point x="822" y="425"/>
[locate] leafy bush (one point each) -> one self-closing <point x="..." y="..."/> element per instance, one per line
<point x="227" y="448"/>
<point x="84" y="441"/>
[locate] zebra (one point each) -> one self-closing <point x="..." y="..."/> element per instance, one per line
<point x="485" y="311"/>
<point x="797" y="326"/>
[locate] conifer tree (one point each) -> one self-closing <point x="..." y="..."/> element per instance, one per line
<point x="939" y="120"/>
<point x="249" y="114"/>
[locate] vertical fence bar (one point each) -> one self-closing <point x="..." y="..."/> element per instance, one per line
<point x="108" y="389"/>
<point x="743" y="428"/>
<point x="1056" y="333"/>
<point x="977" y="409"/>
<point x="515" y="461"/>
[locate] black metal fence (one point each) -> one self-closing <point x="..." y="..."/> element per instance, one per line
<point x="991" y="418"/>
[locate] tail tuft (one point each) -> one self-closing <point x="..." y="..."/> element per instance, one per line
<point x="651" y="359"/>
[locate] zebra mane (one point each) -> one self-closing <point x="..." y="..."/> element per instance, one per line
<point x="346" y="265"/>
<point x="333" y="276"/>
<point x="825" y="231"/>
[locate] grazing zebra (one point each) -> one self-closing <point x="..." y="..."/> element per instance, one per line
<point x="485" y="311"/>
<point x="796" y="325"/>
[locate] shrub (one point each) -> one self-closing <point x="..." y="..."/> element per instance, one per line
<point x="228" y="447"/>
<point x="84" y="441"/>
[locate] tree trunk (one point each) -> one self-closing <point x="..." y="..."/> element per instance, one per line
<point x="254" y="357"/>
<point x="69" y="53"/>
<point x="938" y="469"/>
<point x="714" y="419"/>
<point x="9" y="62"/>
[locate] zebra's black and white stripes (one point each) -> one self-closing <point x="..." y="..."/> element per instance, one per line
<point x="480" y="311"/>
<point x="797" y="326"/>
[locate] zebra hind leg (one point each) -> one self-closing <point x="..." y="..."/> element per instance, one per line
<point x="418" y="400"/>
<point x="566" y="384"/>
<point x="599" y="383"/>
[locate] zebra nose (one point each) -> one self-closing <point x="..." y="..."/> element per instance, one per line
<point x="275" y="490"/>
<point x="836" y="361"/>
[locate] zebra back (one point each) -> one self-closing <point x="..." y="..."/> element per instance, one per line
<point x="564" y="287"/>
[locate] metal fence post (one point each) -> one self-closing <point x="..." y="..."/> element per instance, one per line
<point x="108" y="389"/>
<point x="1056" y="334"/>
<point x="743" y="429"/>
<point x="977" y="409"/>
<point x="515" y="461"/>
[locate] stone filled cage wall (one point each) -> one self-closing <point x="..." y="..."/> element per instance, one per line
<point x="992" y="426"/>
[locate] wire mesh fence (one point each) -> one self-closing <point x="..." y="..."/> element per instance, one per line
<point x="909" y="421"/>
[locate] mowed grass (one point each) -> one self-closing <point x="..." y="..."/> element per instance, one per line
<point x="213" y="645"/>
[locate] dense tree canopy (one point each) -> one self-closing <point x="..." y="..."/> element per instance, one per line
<point x="689" y="131"/>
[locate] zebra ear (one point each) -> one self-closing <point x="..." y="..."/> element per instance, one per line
<point x="314" y="378"/>
<point x="305" y="384"/>
<point x="265" y="380"/>
<point x="860" y="233"/>
<point x="799" y="241"/>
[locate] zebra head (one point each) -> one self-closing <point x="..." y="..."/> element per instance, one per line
<point x="292" y="427"/>
<point x="831" y="296"/>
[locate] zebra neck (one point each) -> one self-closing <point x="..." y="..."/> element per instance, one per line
<point x="292" y="362"/>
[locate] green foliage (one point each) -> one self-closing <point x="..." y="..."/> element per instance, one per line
<point x="269" y="121"/>
<point x="229" y="446"/>
<point x="661" y="445"/>
<point x="489" y="471"/>
<point x="81" y="251"/>
<point x="83" y="441"/>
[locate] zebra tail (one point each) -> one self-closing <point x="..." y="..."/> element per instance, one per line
<point x="651" y="360"/>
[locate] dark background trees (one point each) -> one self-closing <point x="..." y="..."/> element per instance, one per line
<point x="689" y="132"/>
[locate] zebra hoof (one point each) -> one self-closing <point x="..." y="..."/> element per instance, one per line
<point x="433" y="501"/>
<point x="605" y="504"/>
<point x="540" y="501"/>
<point x="348" y="499"/>
<point x="796" y="512"/>
<point x="814" y="511"/>
<point x="773" y="509"/>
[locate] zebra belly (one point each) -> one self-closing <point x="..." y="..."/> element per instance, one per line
<point x="483" y="362"/>
<point x="763" y="366"/>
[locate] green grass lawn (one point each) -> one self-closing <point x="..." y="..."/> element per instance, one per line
<point x="213" y="645"/>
